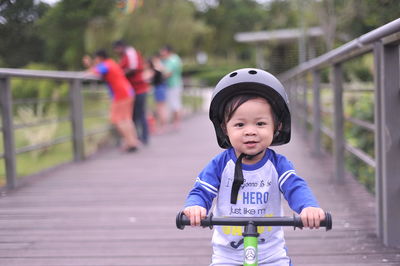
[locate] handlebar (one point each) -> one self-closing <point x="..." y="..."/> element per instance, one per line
<point x="182" y="220"/>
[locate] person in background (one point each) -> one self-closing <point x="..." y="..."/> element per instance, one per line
<point x="121" y="94"/>
<point x="173" y="74"/>
<point x="159" y="87"/>
<point x="131" y="61"/>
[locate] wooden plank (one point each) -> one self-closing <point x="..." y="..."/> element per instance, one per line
<point x="119" y="209"/>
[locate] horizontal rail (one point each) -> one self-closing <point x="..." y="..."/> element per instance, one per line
<point x="358" y="90"/>
<point x="361" y="123"/>
<point x="327" y="131"/>
<point x="360" y="155"/>
<point x="36" y="101"/>
<point x="346" y="49"/>
<point x="96" y="114"/>
<point x="42" y="123"/>
<point x="43" y="145"/>
<point x="50" y="74"/>
<point x="98" y="131"/>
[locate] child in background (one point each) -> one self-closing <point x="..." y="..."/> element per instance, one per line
<point x="160" y="91"/>
<point x="249" y="111"/>
<point x="121" y="93"/>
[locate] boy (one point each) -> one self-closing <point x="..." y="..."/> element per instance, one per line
<point x="121" y="93"/>
<point x="249" y="110"/>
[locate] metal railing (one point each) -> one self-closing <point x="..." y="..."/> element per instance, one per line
<point x="383" y="44"/>
<point x="79" y="84"/>
<point x="75" y="117"/>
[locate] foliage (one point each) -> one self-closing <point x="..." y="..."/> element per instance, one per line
<point x="60" y="34"/>
<point x="228" y="18"/>
<point x="20" y="43"/>
<point x="361" y="16"/>
<point x="361" y="107"/>
<point x="209" y="75"/>
<point x="64" y="27"/>
<point x="157" y="23"/>
<point x="39" y="134"/>
<point x="38" y="89"/>
<point x="360" y="69"/>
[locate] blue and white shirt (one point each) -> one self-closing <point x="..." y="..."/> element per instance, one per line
<point x="260" y="195"/>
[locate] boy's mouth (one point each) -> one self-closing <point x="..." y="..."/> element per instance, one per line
<point x="250" y="142"/>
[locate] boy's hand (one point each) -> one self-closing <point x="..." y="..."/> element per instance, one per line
<point x="312" y="216"/>
<point x="195" y="214"/>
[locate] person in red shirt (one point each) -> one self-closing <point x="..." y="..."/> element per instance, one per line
<point x="121" y="93"/>
<point x="131" y="61"/>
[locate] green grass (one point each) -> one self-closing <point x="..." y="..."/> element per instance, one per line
<point x="358" y="105"/>
<point x="32" y="162"/>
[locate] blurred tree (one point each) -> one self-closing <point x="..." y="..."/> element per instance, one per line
<point x="99" y="34"/>
<point x="229" y="17"/>
<point x="20" y="43"/>
<point x="64" y="26"/>
<point x="358" y="17"/>
<point x="159" y="22"/>
<point x="343" y="21"/>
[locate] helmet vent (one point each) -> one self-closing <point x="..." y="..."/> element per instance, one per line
<point x="233" y="74"/>
<point x="252" y="72"/>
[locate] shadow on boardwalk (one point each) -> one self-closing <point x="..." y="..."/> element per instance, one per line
<point x="119" y="209"/>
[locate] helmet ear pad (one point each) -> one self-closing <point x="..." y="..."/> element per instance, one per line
<point x="222" y="136"/>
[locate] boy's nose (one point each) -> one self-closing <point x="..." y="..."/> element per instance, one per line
<point x="250" y="131"/>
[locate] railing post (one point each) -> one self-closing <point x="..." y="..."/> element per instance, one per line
<point x="304" y="105"/>
<point x="289" y="89"/>
<point x="8" y="132"/>
<point x="297" y="117"/>
<point x="316" y="112"/>
<point x="338" y="141"/>
<point x="76" y="103"/>
<point x="378" y="55"/>
<point x="390" y="110"/>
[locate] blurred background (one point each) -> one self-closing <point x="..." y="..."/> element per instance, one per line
<point x="55" y="34"/>
<point x="213" y="37"/>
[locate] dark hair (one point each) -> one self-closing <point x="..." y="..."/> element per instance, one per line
<point x="101" y="53"/>
<point x="233" y="104"/>
<point x="119" y="43"/>
<point x="168" y="47"/>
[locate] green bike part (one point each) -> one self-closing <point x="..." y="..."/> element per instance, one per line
<point x="250" y="251"/>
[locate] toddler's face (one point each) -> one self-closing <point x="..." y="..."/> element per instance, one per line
<point x="251" y="128"/>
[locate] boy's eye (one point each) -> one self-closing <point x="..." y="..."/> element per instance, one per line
<point x="261" y="123"/>
<point x="239" y="124"/>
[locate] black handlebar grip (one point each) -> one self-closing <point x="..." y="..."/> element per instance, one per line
<point x="327" y="223"/>
<point x="182" y="220"/>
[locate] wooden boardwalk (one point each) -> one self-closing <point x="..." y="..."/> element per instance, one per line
<point x="119" y="209"/>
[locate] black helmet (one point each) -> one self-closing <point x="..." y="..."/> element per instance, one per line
<point x="251" y="81"/>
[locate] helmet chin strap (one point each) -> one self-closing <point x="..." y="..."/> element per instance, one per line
<point x="238" y="176"/>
